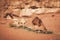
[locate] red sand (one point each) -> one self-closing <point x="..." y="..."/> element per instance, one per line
<point x="52" y="24"/>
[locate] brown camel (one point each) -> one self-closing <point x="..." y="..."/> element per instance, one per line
<point x="38" y="22"/>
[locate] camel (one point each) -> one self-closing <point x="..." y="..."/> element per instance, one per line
<point x="37" y="23"/>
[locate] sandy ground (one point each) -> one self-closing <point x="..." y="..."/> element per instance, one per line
<point x="51" y="22"/>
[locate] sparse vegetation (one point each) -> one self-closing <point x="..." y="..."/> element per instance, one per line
<point x="29" y="29"/>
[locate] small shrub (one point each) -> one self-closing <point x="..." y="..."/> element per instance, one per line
<point x="13" y="25"/>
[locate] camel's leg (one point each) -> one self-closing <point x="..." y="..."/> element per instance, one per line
<point x="8" y="15"/>
<point x="15" y="15"/>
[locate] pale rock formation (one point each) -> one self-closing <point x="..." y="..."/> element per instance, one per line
<point x="29" y="12"/>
